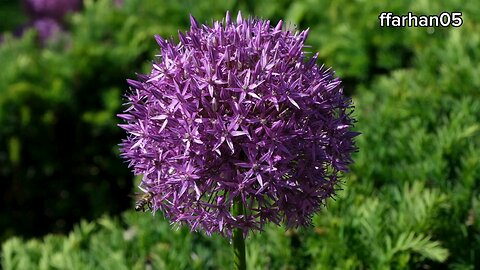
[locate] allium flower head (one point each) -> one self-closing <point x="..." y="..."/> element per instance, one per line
<point x="236" y="112"/>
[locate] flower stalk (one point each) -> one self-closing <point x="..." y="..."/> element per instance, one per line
<point x="239" y="260"/>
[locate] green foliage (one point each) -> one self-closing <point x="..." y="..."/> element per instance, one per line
<point x="411" y="201"/>
<point x="135" y="242"/>
<point x="390" y="229"/>
<point x="371" y="233"/>
<point x="422" y="125"/>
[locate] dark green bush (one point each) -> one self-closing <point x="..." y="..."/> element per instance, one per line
<point x="11" y="14"/>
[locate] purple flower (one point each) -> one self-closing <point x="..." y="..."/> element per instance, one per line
<point x="47" y="29"/>
<point x="236" y="111"/>
<point x="47" y="15"/>
<point x="54" y="9"/>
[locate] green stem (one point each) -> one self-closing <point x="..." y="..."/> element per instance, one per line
<point x="238" y="240"/>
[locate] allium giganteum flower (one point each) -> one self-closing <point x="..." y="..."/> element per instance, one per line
<point x="236" y="111"/>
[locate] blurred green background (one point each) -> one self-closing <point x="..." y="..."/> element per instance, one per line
<point x="411" y="200"/>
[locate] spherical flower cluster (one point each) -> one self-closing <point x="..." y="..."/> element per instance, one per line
<point x="236" y="113"/>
